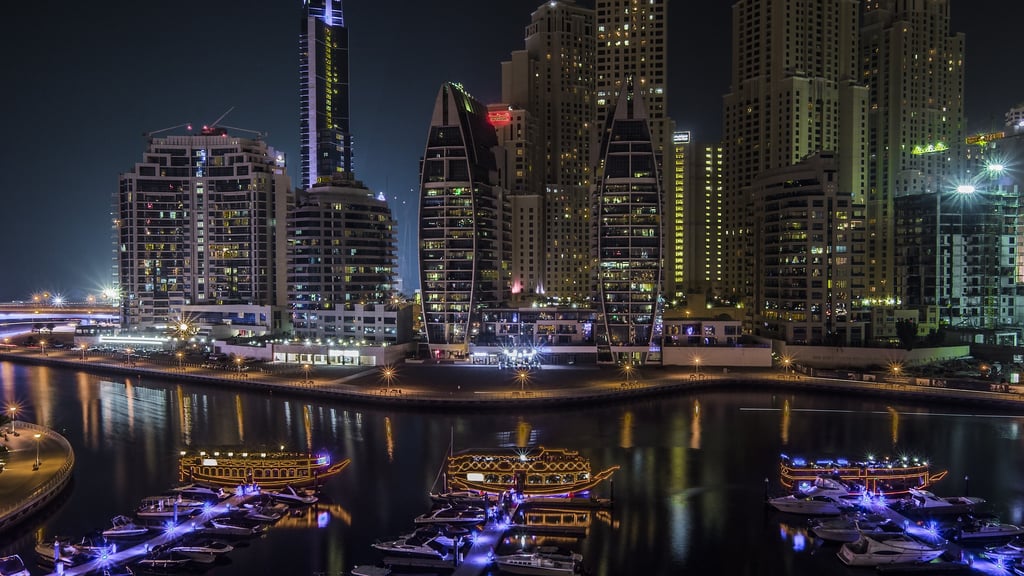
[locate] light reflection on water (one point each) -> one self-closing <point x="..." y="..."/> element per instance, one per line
<point x="689" y="495"/>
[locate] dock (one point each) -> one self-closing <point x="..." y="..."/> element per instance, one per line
<point x="139" y="549"/>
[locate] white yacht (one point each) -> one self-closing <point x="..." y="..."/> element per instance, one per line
<point x="200" y="492"/>
<point x="877" y="549"/>
<point x="124" y="527"/>
<point x="537" y="564"/>
<point x="925" y="500"/>
<point x="848" y="528"/>
<point x="417" y="546"/>
<point x="168" y="507"/>
<point x="980" y="530"/>
<point x="227" y="526"/>
<point x="812" y="503"/>
<point x="453" y="515"/>
<point x="13" y="566"/>
<point x="170" y="561"/>
<point x="205" y="547"/>
<point x="1011" y="551"/>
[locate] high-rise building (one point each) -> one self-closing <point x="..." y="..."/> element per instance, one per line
<point x="553" y="79"/>
<point x="676" y="212"/>
<point x="915" y="71"/>
<point x="464" y="222"/>
<point x="702" y="225"/>
<point x="324" y="131"/>
<point x="341" y="253"/>
<point x="809" y="268"/>
<point x="198" y="222"/>
<point x="632" y="41"/>
<point x="628" y="258"/>
<point x="795" y="90"/>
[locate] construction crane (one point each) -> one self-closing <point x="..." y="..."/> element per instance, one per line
<point x="216" y="128"/>
<point x="186" y="125"/>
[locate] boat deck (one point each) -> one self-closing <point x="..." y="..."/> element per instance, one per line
<point x="139" y="549"/>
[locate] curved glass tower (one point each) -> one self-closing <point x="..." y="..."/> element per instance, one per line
<point x="628" y="226"/>
<point x="464" y="225"/>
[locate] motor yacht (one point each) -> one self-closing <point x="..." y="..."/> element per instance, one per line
<point x="202" y="492"/>
<point x="203" y="547"/>
<point x="124" y="527"/>
<point x="417" y="546"/>
<point x="536" y="564"/>
<point x="290" y="495"/>
<point x="922" y="502"/>
<point x="848" y="528"/>
<point x="170" y="561"/>
<point x="60" y="550"/>
<point x="876" y="549"/>
<point x="228" y="526"/>
<point x="13" y="566"/>
<point x="464" y="497"/>
<point x="263" y="513"/>
<point x="453" y="515"/>
<point x="1013" y="550"/>
<point x="168" y="507"/>
<point x="984" y="530"/>
<point x="811" y="503"/>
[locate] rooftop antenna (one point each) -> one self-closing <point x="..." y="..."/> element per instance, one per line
<point x="211" y="128"/>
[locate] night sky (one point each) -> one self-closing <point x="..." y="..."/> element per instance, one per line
<point x="84" y="80"/>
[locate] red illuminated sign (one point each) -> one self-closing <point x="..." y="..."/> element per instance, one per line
<point x="499" y="117"/>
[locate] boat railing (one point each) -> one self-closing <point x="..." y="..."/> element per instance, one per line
<point x="13" y="513"/>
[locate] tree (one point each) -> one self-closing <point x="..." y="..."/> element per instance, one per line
<point x="906" y="331"/>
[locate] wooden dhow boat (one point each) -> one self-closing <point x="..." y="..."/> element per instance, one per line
<point x="531" y="472"/>
<point x="268" y="469"/>
<point x="885" y="476"/>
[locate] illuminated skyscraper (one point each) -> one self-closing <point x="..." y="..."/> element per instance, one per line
<point x="915" y="70"/>
<point x="464" y="222"/>
<point x="325" y="136"/>
<point x="628" y="227"/>
<point x="198" y="224"/>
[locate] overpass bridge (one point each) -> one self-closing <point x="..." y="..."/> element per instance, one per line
<point x="17" y="318"/>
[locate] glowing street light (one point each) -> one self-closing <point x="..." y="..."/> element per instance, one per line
<point x="786" y="362"/>
<point x="696" y="364"/>
<point x="305" y="368"/>
<point x="387" y="373"/>
<point x="522" y="376"/>
<point x="181" y="357"/>
<point x="238" y="364"/>
<point x="83" y="348"/>
<point x="42" y="347"/>
<point x="628" y="369"/>
<point x="37" y="436"/>
<point x="13" y="409"/>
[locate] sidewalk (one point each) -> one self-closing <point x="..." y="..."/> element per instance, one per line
<point x="26" y="486"/>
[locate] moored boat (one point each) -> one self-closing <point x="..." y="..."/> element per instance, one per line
<point x="884" y="476"/>
<point x="124" y="527"/>
<point x="453" y="515"/>
<point x="13" y="566"/>
<point x="536" y="472"/>
<point x="268" y="469"/>
<point x="537" y="564"/>
<point x="981" y="531"/>
<point x="849" y="528"/>
<point x="416" y="546"/>
<point x="202" y="549"/>
<point x="171" y="561"/>
<point x="289" y="495"/>
<point x="168" y="507"/>
<point x="878" y="549"/>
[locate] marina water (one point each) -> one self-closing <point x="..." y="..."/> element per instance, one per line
<point x="689" y="497"/>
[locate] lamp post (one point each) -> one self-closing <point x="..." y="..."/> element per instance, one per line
<point x="38" y="436"/>
<point x="14" y="412"/>
<point x="238" y="364"/>
<point x="628" y="369"/>
<point x="522" y="376"/>
<point x="305" y="368"/>
<point x="696" y="365"/>
<point x="181" y="358"/>
<point x="42" y="347"/>
<point x="83" y="347"/>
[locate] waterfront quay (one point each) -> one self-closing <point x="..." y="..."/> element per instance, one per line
<point x="480" y="386"/>
<point x="39" y="465"/>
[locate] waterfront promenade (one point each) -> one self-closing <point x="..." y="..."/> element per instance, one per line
<point x="39" y="465"/>
<point x="466" y="386"/>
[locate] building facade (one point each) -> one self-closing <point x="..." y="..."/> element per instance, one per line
<point x="810" y="266"/>
<point x="914" y="69"/>
<point x="795" y="90"/>
<point x="464" y="222"/>
<point x="628" y="232"/>
<point x="197" y="223"/>
<point x="324" y="123"/>
<point x="341" y="252"/>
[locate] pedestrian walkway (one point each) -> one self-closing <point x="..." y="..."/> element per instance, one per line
<point x="39" y="465"/>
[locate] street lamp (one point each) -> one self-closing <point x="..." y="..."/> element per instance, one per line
<point x="83" y="348"/>
<point x="128" y="356"/>
<point x="696" y="364"/>
<point x="38" y="436"/>
<point x="522" y="376"/>
<point x="388" y="374"/>
<point x="42" y="347"/>
<point x="238" y="364"/>
<point x="306" y="367"/>
<point x="14" y="412"/>
<point x="181" y="357"/>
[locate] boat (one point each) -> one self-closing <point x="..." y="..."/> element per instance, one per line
<point x="535" y="472"/>
<point x="849" y="528"/>
<point x="168" y="507"/>
<point x="878" y="549"/>
<point x="194" y="491"/>
<point x="124" y="527"/>
<point x="171" y="561"/>
<point x="826" y="495"/>
<point x="983" y="530"/>
<point x="60" y="550"/>
<point x="923" y="502"/>
<point x="888" y="477"/>
<point x="453" y="515"/>
<point x="263" y="513"/>
<point x="537" y="564"/>
<point x="13" y="566"/>
<point x="1013" y="550"/>
<point x="292" y="496"/>
<point x="466" y="497"/>
<point x="270" y="470"/>
<point x="417" y="546"/>
<point x="228" y="526"/>
<point x="370" y="570"/>
<point x="203" y="546"/>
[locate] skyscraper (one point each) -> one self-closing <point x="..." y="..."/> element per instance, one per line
<point x="794" y="91"/>
<point x="341" y="252"/>
<point x="324" y="131"/>
<point x="553" y="79"/>
<point x="198" y="224"/>
<point x="628" y="226"/>
<point x="915" y="70"/>
<point x="464" y="222"/>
